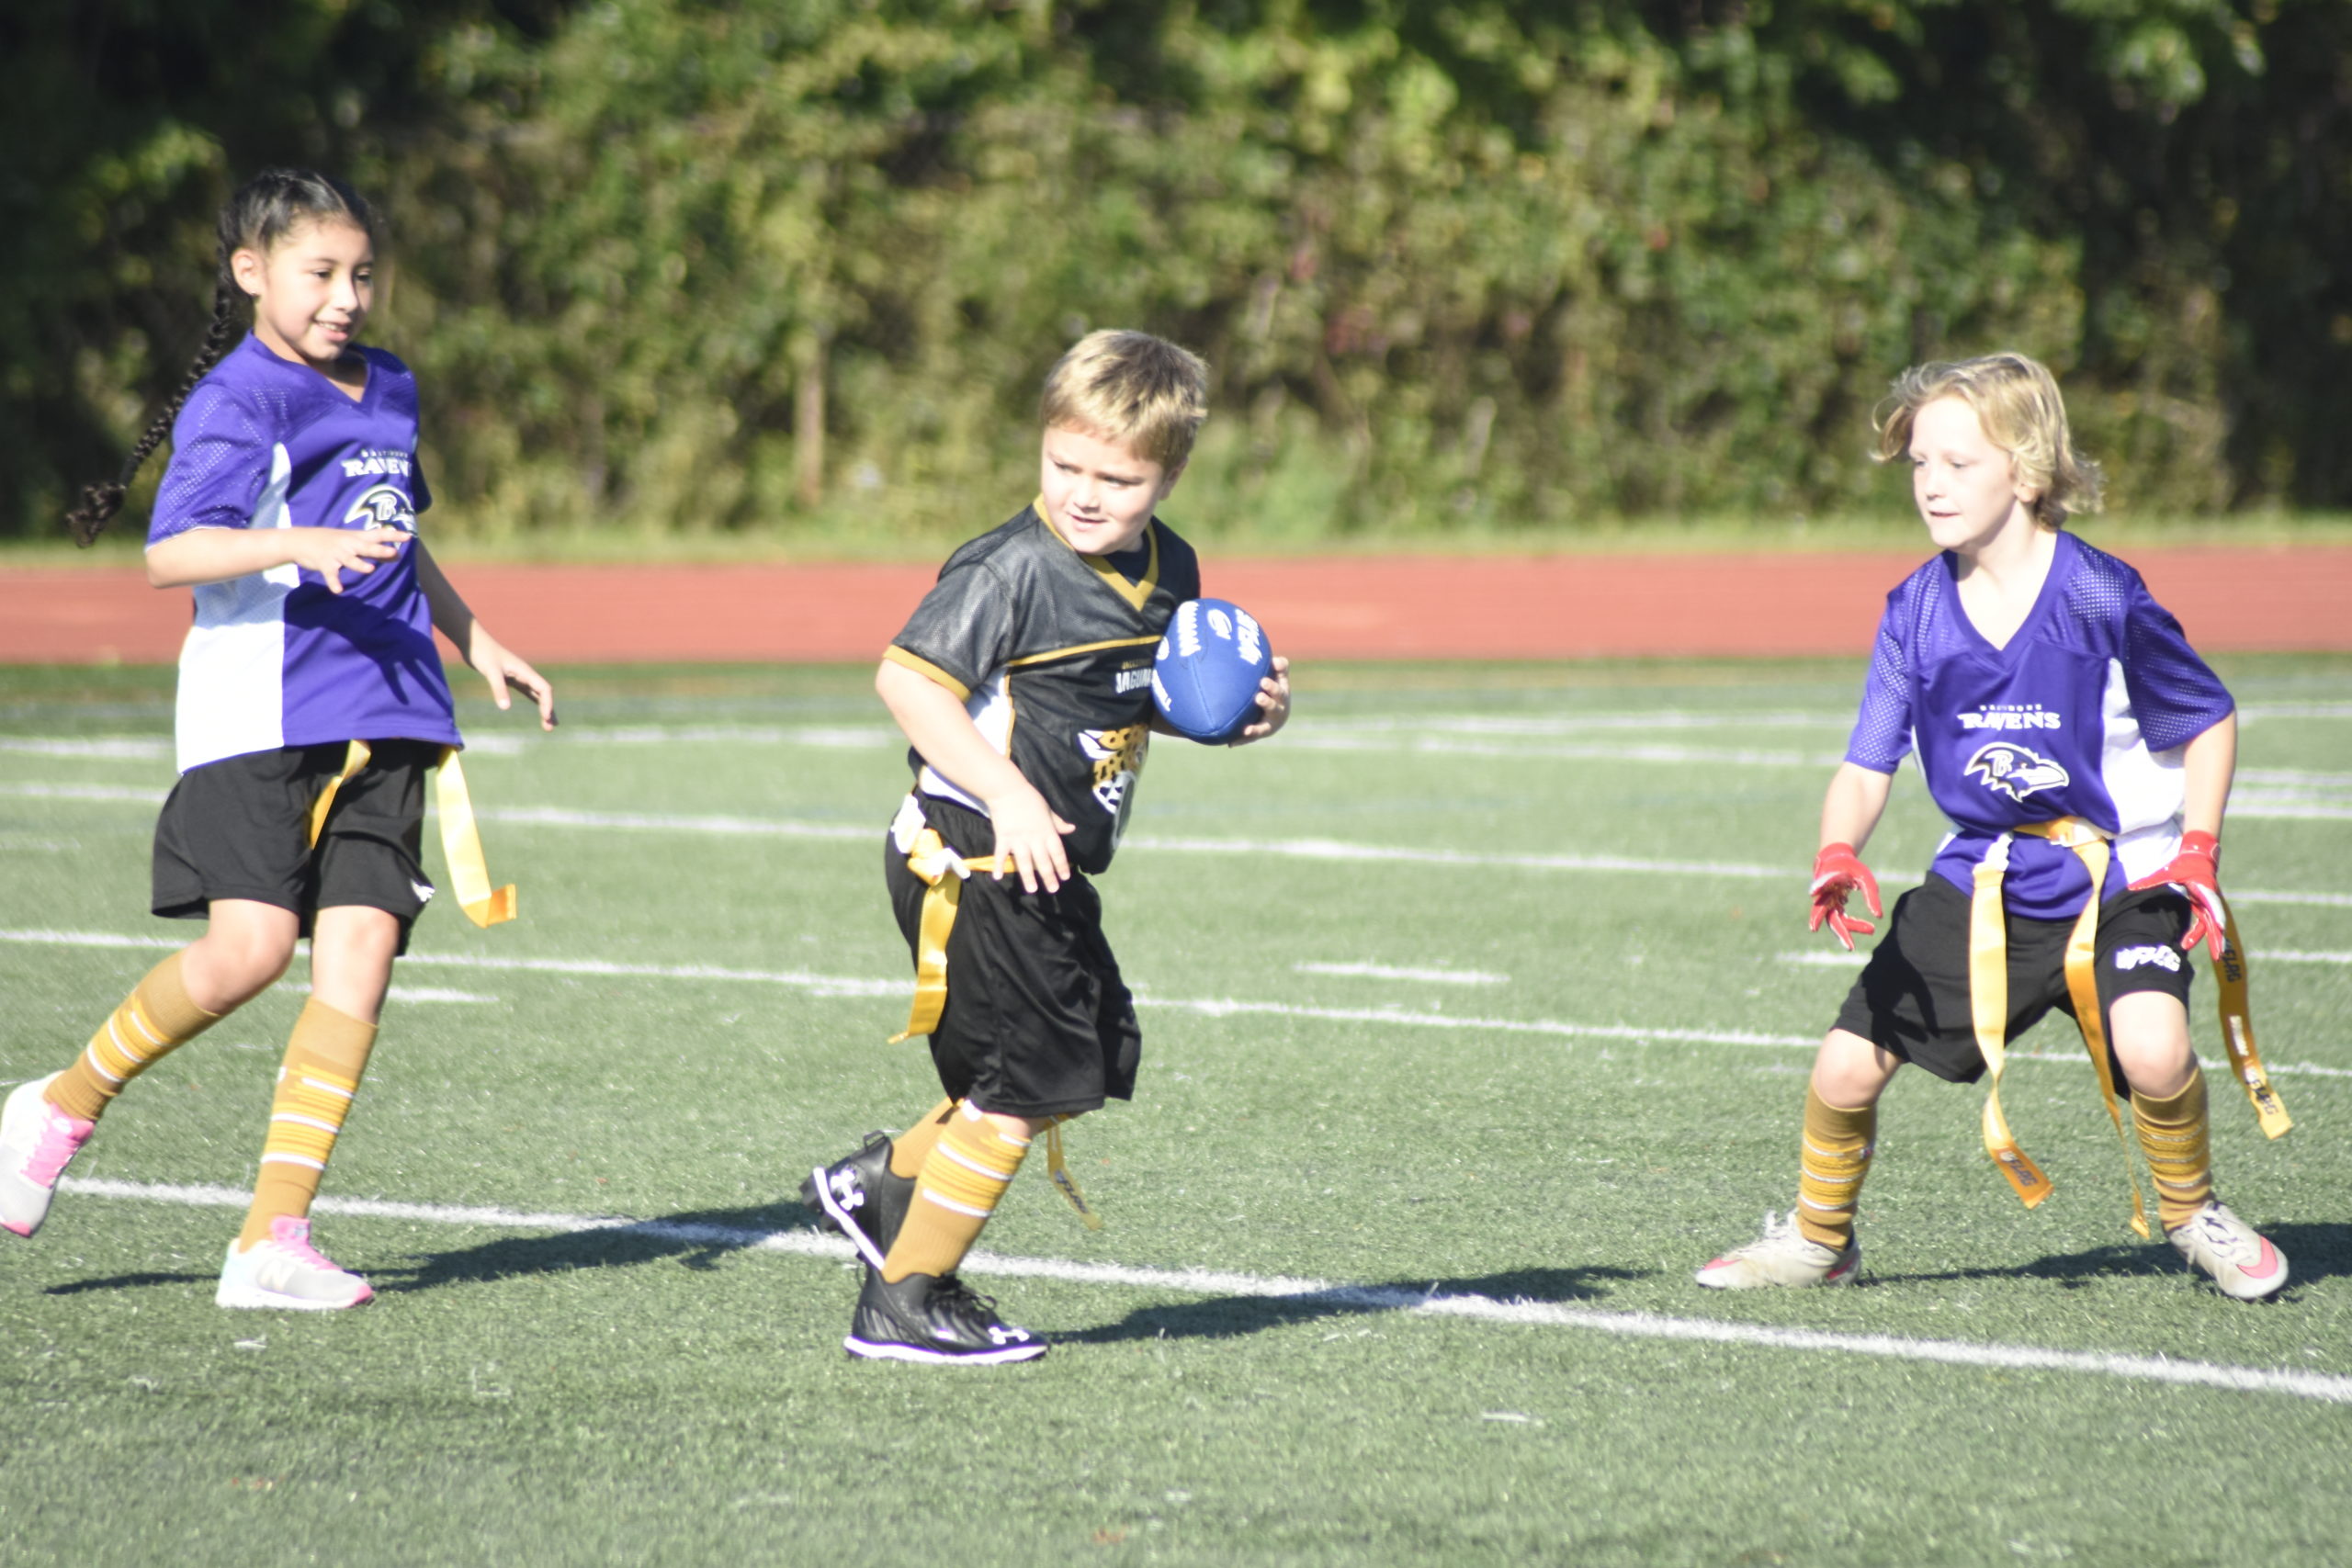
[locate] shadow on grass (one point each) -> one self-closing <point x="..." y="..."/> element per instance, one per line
<point x="697" y="1240"/>
<point x="2314" y="1252"/>
<point x="131" y="1282"/>
<point x="1224" y="1317"/>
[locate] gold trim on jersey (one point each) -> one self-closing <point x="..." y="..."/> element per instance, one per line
<point x="894" y="654"/>
<point x="1134" y="593"/>
<point x="1073" y="652"/>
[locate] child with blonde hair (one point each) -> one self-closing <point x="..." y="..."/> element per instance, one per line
<point x="1023" y="683"/>
<point x="2084" y="753"/>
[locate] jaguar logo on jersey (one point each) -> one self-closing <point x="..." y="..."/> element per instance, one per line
<point x="383" y="507"/>
<point x="2007" y="768"/>
<point x="1117" y="756"/>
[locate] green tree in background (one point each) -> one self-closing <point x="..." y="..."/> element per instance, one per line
<point x="666" y="264"/>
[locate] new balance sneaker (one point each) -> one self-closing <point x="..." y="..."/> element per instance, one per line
<point x="2241" y="1260"/>
<point x="36" y="1140"/>
<point x="861" y="1198"/>
<point x="286" y="1272"/>
<point x="925" y="1319"/>
<point x="1781" y="1255"/>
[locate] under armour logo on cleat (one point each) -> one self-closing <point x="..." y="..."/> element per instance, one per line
<point x="1002" y="1334"/>
<point x="847" y="1191"/>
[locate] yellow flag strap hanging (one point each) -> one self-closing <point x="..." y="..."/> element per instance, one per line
<point x="1988" y="1008"/>
<point x="355" y="757"/>
<point x="2238" y="1031"/>
<point x="943" y="871"/>
<point x="1988" y="986"/>
<point x="1064" y="1183"/>
<point x="462" y="842"/>
<point x="2082" y="982"/>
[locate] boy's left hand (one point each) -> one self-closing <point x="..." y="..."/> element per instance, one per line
<point x="2195" y="870"/>
<point x="501" y="668"/>
<point x="1273" y="704"/>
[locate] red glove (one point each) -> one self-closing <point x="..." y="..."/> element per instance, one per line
<point x="1836" y="874"/>
<point x="2193" y="870"/>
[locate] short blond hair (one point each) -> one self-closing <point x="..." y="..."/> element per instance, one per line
<point x="2016" y="400"/>
<point x="1141" y="392"/>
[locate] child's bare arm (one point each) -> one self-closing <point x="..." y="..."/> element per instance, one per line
<point x="2208" y="764"/>
<point x="936" y="725"/>
<point x="491" y="659"/>
<point x="1856" y="799"/>
<point x="218" y="555"/>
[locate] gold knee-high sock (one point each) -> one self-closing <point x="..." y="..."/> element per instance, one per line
<point x="911" y="1147"/>
<point x="2176" y="1136"/>
<point x="1837" y="1148"/>
<point x="953" y="1196"/>
<point x="324" y="1058"/>
<point x="156" y="1017"/>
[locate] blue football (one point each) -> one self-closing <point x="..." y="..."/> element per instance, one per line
<point x="1205" y="677"/>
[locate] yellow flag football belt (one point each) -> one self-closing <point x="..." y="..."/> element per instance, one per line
<point x="1988" y="997"/>
<point x="943" y="871"/>
<point x="460" y="839"/>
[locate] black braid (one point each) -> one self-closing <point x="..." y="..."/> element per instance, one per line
<point x="263" y="209"/>
<point x="100" y="501"/>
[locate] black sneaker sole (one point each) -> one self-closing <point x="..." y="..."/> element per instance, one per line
<point x="815" y="1192"/>
<point x="893" y="1350"/>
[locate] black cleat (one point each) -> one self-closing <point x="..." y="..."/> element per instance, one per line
<point x="925" y="1319"/>
<point x="861" y="1198"/>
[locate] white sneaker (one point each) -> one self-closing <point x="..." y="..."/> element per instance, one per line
<point x="2241" y="1260"/>
<point x="1782" y="1257"/>
<point x="36" y="1140"/>
<point x="286" y="1272"/>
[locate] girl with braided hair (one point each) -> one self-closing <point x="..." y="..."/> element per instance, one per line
<point x="311" y="704"/>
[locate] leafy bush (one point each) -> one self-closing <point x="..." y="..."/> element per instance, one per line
<point x="800" y="265"/>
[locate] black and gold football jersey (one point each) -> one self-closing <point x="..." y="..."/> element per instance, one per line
<point x="1051" y="652"/>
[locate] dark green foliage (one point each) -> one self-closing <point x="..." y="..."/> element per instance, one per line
<point x="1465" y="267"/>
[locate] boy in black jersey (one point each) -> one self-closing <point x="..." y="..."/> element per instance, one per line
<point x="1023" y="681"/>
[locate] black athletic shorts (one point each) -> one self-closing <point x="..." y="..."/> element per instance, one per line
<point x="1912" y="998"/>
<point x="239" y="829"/>
<point x="1038" y="1022"/>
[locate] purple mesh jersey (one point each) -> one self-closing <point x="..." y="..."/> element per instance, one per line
<point x="2082" y="714"/>
<point x="273" y="659"/>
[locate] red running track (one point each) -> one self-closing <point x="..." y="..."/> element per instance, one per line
<point x="2283" y="599"/>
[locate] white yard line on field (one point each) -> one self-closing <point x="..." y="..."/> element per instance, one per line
<point x="1280" y="849"/>
<point x="1839" y="958"/>
<point x="840" y="986"/>
<point x="1391" y="972"/>
<point x="2323" y="1387"/>
<point x="405" y="994"/>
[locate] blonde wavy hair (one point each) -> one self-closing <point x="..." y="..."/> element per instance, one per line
<point x="2016" y="400"/>
<point x="1131" y="388"/>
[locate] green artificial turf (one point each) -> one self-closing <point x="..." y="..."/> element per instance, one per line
<point x="1500" y="1109"/>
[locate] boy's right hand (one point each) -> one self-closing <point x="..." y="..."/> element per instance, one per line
<point x="331" y="552"/>
<point x="1837" y="873"/>
<point x="1030" y="836"/>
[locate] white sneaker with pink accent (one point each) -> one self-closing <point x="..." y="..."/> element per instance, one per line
<point x="288" y="1274"/>
<point x="36" y="1140"/>
<point x="2241" y="1260"/>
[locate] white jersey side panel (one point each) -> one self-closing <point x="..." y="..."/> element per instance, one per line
<point x="2148" y="788"/>
<point x="233" y="667"/>
<point x="991" y="710"/>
